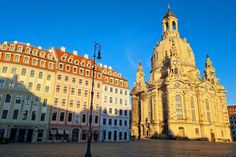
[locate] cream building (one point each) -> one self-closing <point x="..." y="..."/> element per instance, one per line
<point x="27" y="77"/>
<point x="115" y="108"/>
<point x="175" y="102"/>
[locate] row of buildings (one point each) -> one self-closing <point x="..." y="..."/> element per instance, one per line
<point x="45" y="96"/>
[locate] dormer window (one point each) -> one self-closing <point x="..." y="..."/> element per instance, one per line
<point x="12" y="47"/>
<point x="27" y="50"/>
<point x="4" y="47"/>
<point x="19" y="48"/>
<point x="42" y="54"/>
<point x="70" y="60"/>
<point x="50" y="57"/>
<point x="63" y="57"/>
<point x="82" y="63"/>
<point x="89" y="64"/>
<point x="35" y="52"/>
<point x="109" y="73"/>
<point x="77" y="62"/>
<point x="105" y="71"/>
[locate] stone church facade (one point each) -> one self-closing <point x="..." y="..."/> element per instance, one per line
<point x="176" y="102"/>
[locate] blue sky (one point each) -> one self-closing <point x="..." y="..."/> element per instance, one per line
<point x="127" y="30"/>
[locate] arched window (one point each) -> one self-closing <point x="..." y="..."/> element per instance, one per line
<point x="176" y="71"/>
<point x="173" y="25"/>
<point x="193" y="109"/>
<point x="150" y="109"/>
<point x="8" y="98"/>
<point x="167" y="28"/>
<point x="179" y="110"/>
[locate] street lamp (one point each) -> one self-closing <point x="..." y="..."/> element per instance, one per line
<point x="97" y="49"/>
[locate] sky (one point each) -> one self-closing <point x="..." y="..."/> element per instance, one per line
<point x="128" y="30"/>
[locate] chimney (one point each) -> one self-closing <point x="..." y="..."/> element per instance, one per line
<point x="27" y="44"/>
<point x="86" y="56"/>
<point x="63" y="49"/>
<point x="109" y="67"/>
<point x="15" y="42"/>
<point x="105" y="66"/>
<point x="39" y="47"/>
<point x="100" y="64"/>
<point x="75" y="52"/>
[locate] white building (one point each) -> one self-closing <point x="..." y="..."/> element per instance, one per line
<point x="115" y="107"/>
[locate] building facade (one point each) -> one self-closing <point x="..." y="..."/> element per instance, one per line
<point x="45" y="95"/>
<point x="114" y="124"/>
<point x="27" y="77"/>
<point x="232" y="120"/>
<point x="175" y="102"/>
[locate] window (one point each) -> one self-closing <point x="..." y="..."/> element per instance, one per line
<point x="21" y="84"/>
<point x="62" y="115"/>
<point x="59" y="77"/>
<point x="74" y="70"/>
<point x="30" y="85"/>
<point x="67" y="68"/>
<point x="50" y="65"/>
<point x="15" y="114"/>
<point x="72" y="91"/>
<point x="63" y="102"/>
<point x="45" y="102"/>
<point x="96" y="119"/>
<point x="120" y="122"/>
<point x="116" y="100"/>
<point x="110" y="100"/>
<point x="71" y="103"/>
<point x="126" y="113"/>
<point x="196" y="131"/>
<point x="104" y="122"/>
<point x="125" y="92"/>
<point x="49" y="77"/>
<point x="73" y="80"/>
<point x="4" y="70"/>
<point x="98" y="95"/>
<point x="23" y="72"/>
<point x="4" y="114"/>
<point x="109" y="135"/>
<point x="125" y="123"/>
<point x="105" y="98"/>
<point x="11" y="83"/>
<point x="115" y="122"/>
<point x="26" y="60"/>
<point x="105" y="88"/>
<point x="104" y="111"/>
<point x="25" y="115"/>
<point x="208" y="110"/>
<point x="193" y="109"/>
<point x="116" y="112"/>
<point x="27" y="50"/>
<point x="13" y="71"/>
<point x="126" y="102"/>
<point x="43" y="115"/>
<point x="110" y="110"/>
<point x="58" y="88"/>
<point x="40" y="75"/>
<point x="69" y="117"/>
<point x="98" y="85"/>
<point x="65" y="89"/>
<point x="81" y="71"/>
<point x="83" y="118"/>
<point x="121" y="112"/>
<point x="2" y="82"/>
<point x="56" y="100"/>
<point x="121" y="101"/>
<point x="18" y="99"/>
<point x="110" y="122"/>
<point x="111" y="89"/>
<point x="16" y="58"/>
<point x="79" y="92"/>
<point x="32" y="73"/>
<point x="66" y="78"/>
<point x="60" y="66"/>
<point x="78" y="104"/>
<point x="8" y="98"/>
<point x="179" y="112"/>
<point x="42" y="63"/>
<point x="34" y="61"/>
<point x="38" y="88"/>
<point x="87" y="72"/>
<point x="7" y="57"/>
<point x="54" y="116"/>
<point x="27" y="100"/>
<point x="80" y="81"/>
<point x="36" y="101"/>
<point x="47" y="89"/>
<point x="85" y="93"/>
<point x="33" y="116"/>
<point x="121" y="91"/>
<point x="86" y="83"/>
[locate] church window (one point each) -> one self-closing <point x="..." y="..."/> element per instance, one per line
<point x="150" y="109"/>
<point x="193" y="109"/>
<point x="175" y="70"/>
<point x="173" y="25"/>
<point x="179" y="111"/>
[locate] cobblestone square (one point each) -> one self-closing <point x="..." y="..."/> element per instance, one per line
<point x="144" y="148"/>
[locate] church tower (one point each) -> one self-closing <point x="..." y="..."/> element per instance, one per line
<point x="176" y="102"/>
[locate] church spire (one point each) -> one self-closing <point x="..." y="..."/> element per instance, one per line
<point x="140" y="82"/>
<point x="170" y="24"/>
<point x="209" y="71"/>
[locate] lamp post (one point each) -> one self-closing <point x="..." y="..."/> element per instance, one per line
<point x="97" y="48"/>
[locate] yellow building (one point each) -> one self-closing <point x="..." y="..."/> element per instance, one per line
<point x="27" y="77"/>
<point x="175" y="102"/>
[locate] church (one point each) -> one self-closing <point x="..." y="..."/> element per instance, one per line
<point x="175" y="102"/>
